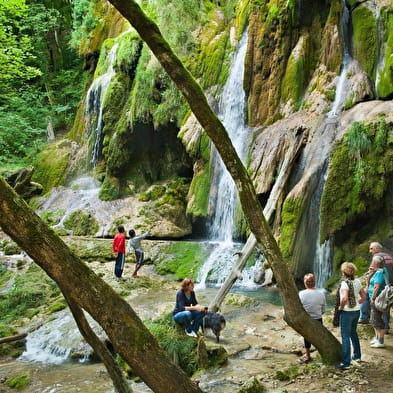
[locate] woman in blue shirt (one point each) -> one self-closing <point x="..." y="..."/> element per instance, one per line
<point x="376" y="285"/>
<point x="187" y="311"/>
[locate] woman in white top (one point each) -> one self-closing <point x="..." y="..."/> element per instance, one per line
<point x="351" y="295"/>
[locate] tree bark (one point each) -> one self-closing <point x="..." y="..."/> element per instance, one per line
<point x="295" y="316"/>
<point x="100" y="348"/>
<point x="268" y="211"/>
<point x="130" y="338"/>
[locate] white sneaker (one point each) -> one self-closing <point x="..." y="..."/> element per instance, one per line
<point x="191" y="334"/>
<point x="377" y="345"/>
<point x="374" y="340"/>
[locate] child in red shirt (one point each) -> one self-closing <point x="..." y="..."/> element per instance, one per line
<point x="119" y="247"/>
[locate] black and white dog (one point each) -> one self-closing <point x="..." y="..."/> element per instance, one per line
<point x="215" y="322"/>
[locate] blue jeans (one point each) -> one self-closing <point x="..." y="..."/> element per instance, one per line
<point x="365" y="313"/>
<point x="192" y="320"/>
<point x="348" y="324"/>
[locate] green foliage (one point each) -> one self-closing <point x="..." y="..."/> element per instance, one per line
<point x="84" y="22"/>
<point x="19" y="381"/>
<point x="29" y="293"/>
<point x="179" y="347"/>
<point x="15" y="47"/>
<point x="81" y="223"/>
<point x="22" y="126"/>
<point x="5" y="276"/>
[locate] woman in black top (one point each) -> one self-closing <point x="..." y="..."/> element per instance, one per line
<point x="187" y="310"/>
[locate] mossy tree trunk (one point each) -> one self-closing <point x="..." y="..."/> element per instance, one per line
<point x="295" y="316"/>
<point x="82" y="287"/>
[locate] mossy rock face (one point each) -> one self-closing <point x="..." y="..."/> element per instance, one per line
<point x="89" y="249"/>
<point x="365" y="39"/>
<point x="183" y="259"/>
<point x="358" y="179"/>
<point x="52" y="163"/>
<point x="81" y="223"/>
<point x="291" y="215"/>
<point x="385" y="75"/>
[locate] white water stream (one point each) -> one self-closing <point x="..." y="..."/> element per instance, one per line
<point x="223" y="193"/>
<point x="95" y="104"/>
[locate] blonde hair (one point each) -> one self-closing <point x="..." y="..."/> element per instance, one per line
<point x="348" y="269"/>
<point x="186" y="283"/>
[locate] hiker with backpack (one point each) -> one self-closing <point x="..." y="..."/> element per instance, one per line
<point x="377" y="249"/>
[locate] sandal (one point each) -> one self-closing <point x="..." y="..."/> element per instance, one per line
<point x="304" y="359"/>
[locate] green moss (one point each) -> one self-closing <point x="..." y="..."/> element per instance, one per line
<point x="51" y="165"/>
<point x="110" y="189"/>
<point x="242" y="11"/>
<point x="81" y="223"/>
<point x="291" y="214"/>
<point x="287" y="374"/>
<point x="128" y="52"/>
<point x="19" y="381"/>
<point x="179" y="347"/>
<point x="27" y="296"/>
<point x="360" y="174"/>
<point x="253" y="386"/>
<point x="385" y="81"/>
<point x="183" y="259"/>
<point x="365" y="39"/>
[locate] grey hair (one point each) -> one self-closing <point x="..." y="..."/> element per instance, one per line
<point x="376" y="245"/>
<point x="378" y="261"/>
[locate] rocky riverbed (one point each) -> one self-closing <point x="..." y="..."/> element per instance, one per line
<point x="259" y="344"/>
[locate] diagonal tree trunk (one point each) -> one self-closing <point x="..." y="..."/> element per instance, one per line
<point x="295" y="316"/>
<point x="268" y="211"/>
<point x="102" y="351"/>
<point x="80" y="285"/>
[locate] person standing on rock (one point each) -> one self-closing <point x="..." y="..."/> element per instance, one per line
<point x="135" y="243"/>
<point x="314" y="303"/>
<point x="119" y="248"/>
<point x="352" y="294"/>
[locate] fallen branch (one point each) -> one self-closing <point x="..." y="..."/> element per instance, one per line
<point x="12" y="338"/>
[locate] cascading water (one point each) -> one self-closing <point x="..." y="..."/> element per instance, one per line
<point x="342" y="85"/>
<point x="95" y="103"/>
<point x="223" y="194"/>
<point x="54" y="342"/>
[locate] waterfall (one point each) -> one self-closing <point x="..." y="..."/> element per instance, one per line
<point x="95" y="103"/>
<point x="342" y="84"/>
<point x="57" y="340"/>
<point x="223" y="193"/>
<point x="381" y="50"/>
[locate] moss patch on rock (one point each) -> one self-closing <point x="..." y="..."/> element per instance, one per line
<point x="81" y="223"/>
<point x="365" y="39"/>
<point x="51" y="164"/>
<point x="183" y="259"/>
<point x="291" y="215"/>
<point x="385" y="80"/>
<point x="360" y="174"/>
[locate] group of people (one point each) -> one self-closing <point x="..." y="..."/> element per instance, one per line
<point x="119" y="248"/>
<point x="355" y="304"/>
